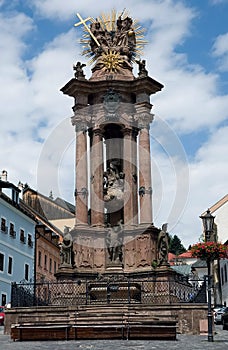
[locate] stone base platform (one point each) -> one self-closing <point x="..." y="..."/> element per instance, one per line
<point x="104" y="321"/>
<point x="94" y="323"/>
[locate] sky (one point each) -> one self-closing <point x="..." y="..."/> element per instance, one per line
<point x="187" y="51"/>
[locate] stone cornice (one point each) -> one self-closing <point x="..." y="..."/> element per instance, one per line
<point x="139" y="85"/>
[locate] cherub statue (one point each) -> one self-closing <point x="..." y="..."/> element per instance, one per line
<point x="78" y="67"/>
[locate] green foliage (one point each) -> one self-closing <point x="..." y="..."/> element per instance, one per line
<point x="175" y="246"/>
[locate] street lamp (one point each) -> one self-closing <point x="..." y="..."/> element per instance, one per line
<point x="208" y="221"/>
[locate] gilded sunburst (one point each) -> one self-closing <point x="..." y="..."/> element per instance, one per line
<point x="111" y="60"/>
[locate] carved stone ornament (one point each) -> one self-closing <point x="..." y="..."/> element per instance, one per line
<point x="144" y="118"/>
<point x="111" y="103"/>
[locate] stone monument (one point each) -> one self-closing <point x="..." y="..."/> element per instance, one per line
<point x="114" y="231"/>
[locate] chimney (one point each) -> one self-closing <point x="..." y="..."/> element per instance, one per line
<point x="3" y="176"/>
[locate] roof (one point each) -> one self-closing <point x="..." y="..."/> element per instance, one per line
<point x="7" y="184"/>
<point x="171" y="258"/>
<point x="185" y="255"/>
<point x="182" y="269"/>
<point x="18" y="206"/>
<point x="41" y="219"/>
<point x="65" y="204"/>
<point x="199" y="264"/>
<point x="46" y="206"/>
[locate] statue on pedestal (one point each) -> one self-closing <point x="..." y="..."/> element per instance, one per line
<point x="114" y="242"/>
<point x="66" y="249"/>
<point x="163" y="246"/>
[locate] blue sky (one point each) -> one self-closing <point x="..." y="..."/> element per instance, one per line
<point x="187" y="51"/>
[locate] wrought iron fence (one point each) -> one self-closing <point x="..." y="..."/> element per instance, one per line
<point x="81" y="292"/>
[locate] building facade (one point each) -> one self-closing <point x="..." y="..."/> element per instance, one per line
<point x="17" y="237"/>
<point x="220" y="211"/>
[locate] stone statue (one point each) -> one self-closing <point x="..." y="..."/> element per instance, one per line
<point x="66" y="248"/>
<point x="125" y="36"/>
<point x="163" y="246"/>
<point x="113" y="183"/>
<point x="114" y="242"/>
<point x="142" y="68"/>
<point x="113" y="49"/>
<point x="78" y="67"/>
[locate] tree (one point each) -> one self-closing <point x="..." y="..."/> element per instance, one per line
<point x="176" y="247"/>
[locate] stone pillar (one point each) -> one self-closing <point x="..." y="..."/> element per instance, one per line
<point x="130" y="180"/>
<point x="145" y="176"/>
<point x="96" y="196"/>
<point x="81" y="191"/>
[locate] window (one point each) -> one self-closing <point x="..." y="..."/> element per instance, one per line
<point x="1" y="262"/>
<point x="54" y="266"/>
<point x="45" y="262"/>
<point x="22" y="236"/>
<point x="26" y="272"/>
<point x="30" y="242"/>
<point x="3" y="303"/>
<point x="222" y="276"/>
<point x="50" y="265"/>
<point x="12" y="232"/>
<point x="39" y="258"/>
<point x="3" y="225"/>
<point x="225" y="273"/>
<point x="10" y="265"/>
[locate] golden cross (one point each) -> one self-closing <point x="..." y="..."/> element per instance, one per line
<point x="83" y="21"/>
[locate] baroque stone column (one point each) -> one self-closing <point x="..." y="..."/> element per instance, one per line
<point x="96" y="199"/>
<point x="145" y="189"/>
<point x="130" y="181"/>
<point x="81" y="191"/>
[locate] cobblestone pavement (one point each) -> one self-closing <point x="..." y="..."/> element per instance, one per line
<point x="185" y="342"/>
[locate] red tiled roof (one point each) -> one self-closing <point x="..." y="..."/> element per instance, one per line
<point x="186" y="255"/>
<point x="171" y="258"/>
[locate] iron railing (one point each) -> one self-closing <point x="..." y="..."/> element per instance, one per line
<point x="81" y="292"/>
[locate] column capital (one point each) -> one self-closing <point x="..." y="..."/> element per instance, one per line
<point x="127" y="131"/>
<point x="97" y="132"/>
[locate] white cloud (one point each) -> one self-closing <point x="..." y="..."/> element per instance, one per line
<point x="208" y="184"/>
<point x="218" y="2"/>
<point x="220" y="51"/>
